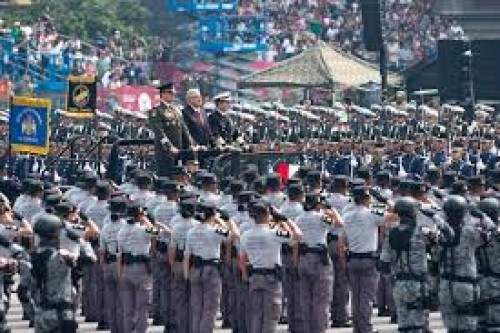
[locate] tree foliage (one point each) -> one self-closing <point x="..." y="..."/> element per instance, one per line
<point x="88" y="18"/>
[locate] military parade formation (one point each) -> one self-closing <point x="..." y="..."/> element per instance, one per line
<point x="395" y="205"/>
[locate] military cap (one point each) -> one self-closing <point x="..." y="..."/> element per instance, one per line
<point x="102" y="188"/>
<point x="312" y="200"/>
<point x="449" y="178"/>
<point x="476" y="181"/>
<point x="208" y="178"/>
<point x="459" y="188"/>
<point x="36" y="186"/>
<point x="364" y="172"/>
<point x="134" y="209"/>
<point x="117" y="205"/>
<point x="404" y="184"/>
<point x="90" y="178"/>
<point x="47" y="225"/>
<point x="222" y="97"/>
<point x="157" y="182"/>
<point x="259" y="184"/>
<point x="52" y="200"/>
<point x="273" y="180"/>
<point x="432" y="174"/>
<point x="170" y="187"/>
<point x="51" y="191"/>
<point x="358" y="182"/>
<point x="188" y="196"/>
<point x="293" y="181"/>
<point x="259" y="209"/>
<point x="64" y="208"/>
<point x="303" y="171"/>
<point x="245" y="196"/>
<point x="417" y="186"/>
<point x="383" y="176"/>
<point x="340" y="181"/>
<point x="26" y="185"/>
<point x="225" y="182"/>
<point x="360" y="192"/>
<point x="313" y="176"/>
<point x="178" y="171"/>
<point x="166" y="87"/>
<point x="295" y="190"/>
<point x="236" y="186"/>
<point x="143" y="178"/>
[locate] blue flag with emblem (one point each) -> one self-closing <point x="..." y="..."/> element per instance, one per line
<point x="29" y="123"/>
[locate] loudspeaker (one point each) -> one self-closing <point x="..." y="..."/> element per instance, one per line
<point x="451" y="63"/>
<point x="372" y="31"/>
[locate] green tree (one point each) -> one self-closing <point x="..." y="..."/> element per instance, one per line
<point x="88" y="17"/>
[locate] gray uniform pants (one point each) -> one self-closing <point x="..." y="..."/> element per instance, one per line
<point x="232" y="289"/>
<point x="243" y="306"/>
<point x="385" y="300"/>
<point x="155" y="272"/>
<point x="291" y="292"/>
<point x="490" y="290"/>
<point x="97" y="292"/>
<point x="265" y="303"/>
<point x="163" y="276"/>
<point x="206" y="288"/>
<point x="180" y="299"/>
<point x="86" y="297"/>
<point x="112" y="301"/>
<point x="411" y="319"/>
<point x="363" y="279"/>
<point x="136" y="288"/>
<point x="451" y="295"/>
<point x="340" y="299"/>
<point x="316" y="284"/>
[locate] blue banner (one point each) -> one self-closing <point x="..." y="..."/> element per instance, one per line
<point x="29" y="125"/>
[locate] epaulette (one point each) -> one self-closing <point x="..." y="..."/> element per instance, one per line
<point x="283" y="233"/>
<point x="222" y="231"/>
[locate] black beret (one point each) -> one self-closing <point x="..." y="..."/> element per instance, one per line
<point x="64" y="208"/>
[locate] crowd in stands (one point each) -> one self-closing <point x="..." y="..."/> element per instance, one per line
<point x="411" y="30"/>
<point x="115" y="61"/>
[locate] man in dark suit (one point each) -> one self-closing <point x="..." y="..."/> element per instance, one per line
<point x="221" y="126"/>
<point x="196" y="119"/>
<point x="170" y="132"/>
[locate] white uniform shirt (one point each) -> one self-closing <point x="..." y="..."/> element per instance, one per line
<point x="314" y="228"/>
<point x="98" y="212"/>
<point x="292" y="210"/>
<point x="108" y="240"/>
<point x="262" y="245"/>
<point x="204" y="241"/>
<point x="134" y="239"/>
<point x="180" y="231"/>
<point x="361" y="229"/>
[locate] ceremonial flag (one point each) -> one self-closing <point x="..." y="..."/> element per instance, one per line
<point x="29" y="123"/>
<point x="81" y="97"/>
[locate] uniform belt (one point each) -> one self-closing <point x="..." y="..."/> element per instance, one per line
<point x="456" y="278"/>
<point x="199" y="262"/>
<point x="410" y="277"/>
<point x="304" y="249"/>
<point x="276" y="271"/>
<point x="129" y="259"/>
<point x="110" y="257"/>
<point x="365" y="255"/>
<point x="59" y="306"/>
<point x="162" y="247"/>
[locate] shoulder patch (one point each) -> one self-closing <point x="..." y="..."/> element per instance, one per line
<point x="153" y="231"/>
<point x="78" y="227"/>
<point x="283" y="234"/>
<point x="222" y="232"/>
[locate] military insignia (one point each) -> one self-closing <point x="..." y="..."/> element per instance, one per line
<point x="222" y="232"/>
<point x="283" y="234"/>
<point x="81" y="95"/>
<point x="28" y="126"/>
<point x="153" y="231"/>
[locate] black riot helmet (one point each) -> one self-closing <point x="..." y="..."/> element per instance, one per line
<point x="491" y="207"/>
<point x="406" y="208"/>
<point x="48" y="226"/>
<point x="455" y="208"/>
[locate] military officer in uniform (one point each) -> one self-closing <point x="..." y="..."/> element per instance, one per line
<point x="221" y="126"/>
<point x="171" y="133"/>
<point x="361" y="232"/>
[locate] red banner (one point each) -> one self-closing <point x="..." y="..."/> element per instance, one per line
<point x="133" y="98"/>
